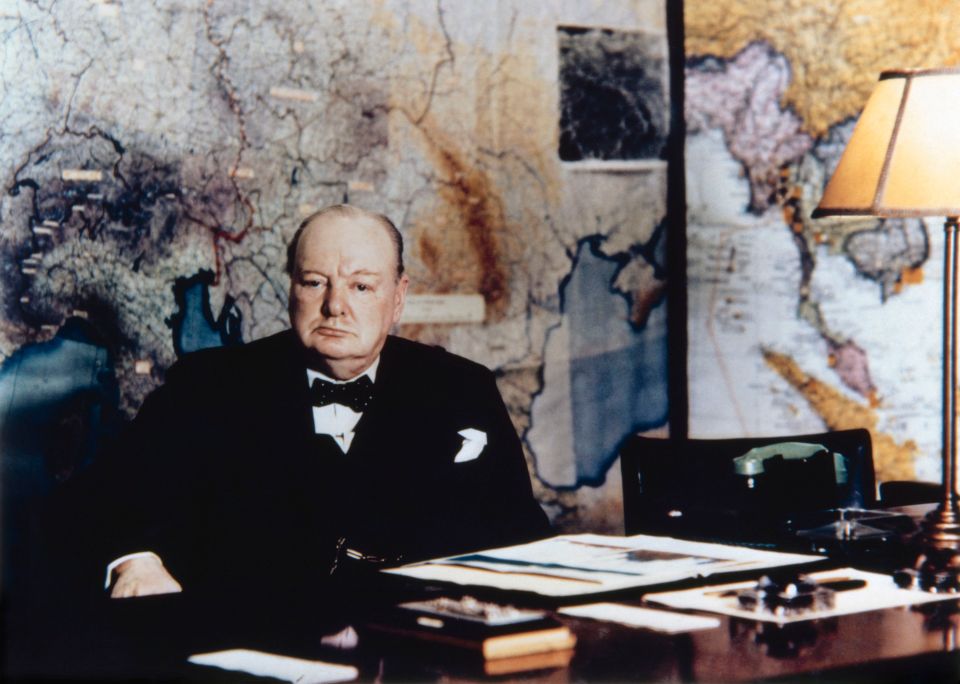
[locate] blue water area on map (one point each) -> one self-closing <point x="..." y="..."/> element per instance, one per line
<point x="58" y="403"/>
<point x="618" y="372"/>
<point x="197" y="330"/>
<point x="194" y="326"/>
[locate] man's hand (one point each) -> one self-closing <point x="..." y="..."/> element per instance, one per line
<point x="143" y="576"/>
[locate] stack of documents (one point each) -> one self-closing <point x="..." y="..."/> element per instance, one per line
<point x="492" y="631"/>
<point x="573" y="565"/>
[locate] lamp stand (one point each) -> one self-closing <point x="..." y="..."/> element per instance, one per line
<point x="941" y="528"/>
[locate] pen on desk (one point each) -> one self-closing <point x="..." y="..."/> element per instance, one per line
<point x="843" y="584"/>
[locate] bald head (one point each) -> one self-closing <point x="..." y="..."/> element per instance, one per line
<point x="347" y="211"/>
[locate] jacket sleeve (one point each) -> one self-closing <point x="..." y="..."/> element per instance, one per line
<point x="522" y="517"/>
<point x="146" y="489"/>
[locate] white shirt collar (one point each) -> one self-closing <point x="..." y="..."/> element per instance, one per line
<point x="371" y="373"/>
<point x="337" y="420"/>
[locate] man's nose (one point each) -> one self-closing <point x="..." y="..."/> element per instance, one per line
<point x="333" y="303"/>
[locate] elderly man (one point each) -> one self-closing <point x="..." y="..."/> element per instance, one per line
<point x="327" y="447"/>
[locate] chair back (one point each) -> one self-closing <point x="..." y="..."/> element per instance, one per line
<point x="742" y="489"/>
<point x="909" y="492"/>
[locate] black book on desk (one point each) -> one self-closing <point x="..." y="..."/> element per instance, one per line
<point x="492" y="631"/>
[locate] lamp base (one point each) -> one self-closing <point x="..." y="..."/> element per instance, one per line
<point x="936" y="552"/>
<point x="941" y="527"/>
<point x="936" y="570"/>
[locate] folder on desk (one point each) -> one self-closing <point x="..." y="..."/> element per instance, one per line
<point x="584" y="564"/>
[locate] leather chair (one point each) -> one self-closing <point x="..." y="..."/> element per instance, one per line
<point x="712" y="489"/>
<point x="57" y="410"/>
<point x="908" y="492"/>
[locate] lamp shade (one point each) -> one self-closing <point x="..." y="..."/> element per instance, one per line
<point x="903" y="158"/>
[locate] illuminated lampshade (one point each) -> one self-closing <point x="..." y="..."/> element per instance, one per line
<point x="904" y="156"/>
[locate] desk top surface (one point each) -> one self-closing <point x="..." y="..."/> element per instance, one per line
<point x="152" y="638"/>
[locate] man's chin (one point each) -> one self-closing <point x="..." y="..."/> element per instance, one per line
<point x="331" y="349"/>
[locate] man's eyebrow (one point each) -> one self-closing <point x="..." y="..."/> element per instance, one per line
<point x="359" y="272"/>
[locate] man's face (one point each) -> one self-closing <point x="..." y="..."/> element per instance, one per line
<point x="344" y="292"/>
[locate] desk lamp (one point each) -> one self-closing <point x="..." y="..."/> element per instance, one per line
<point x="903" y="161"/>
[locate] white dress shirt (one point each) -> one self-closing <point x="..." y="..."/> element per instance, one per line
<point x="338" y="420"/>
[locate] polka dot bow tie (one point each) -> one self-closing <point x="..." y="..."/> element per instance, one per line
<point x="355" y="395"/>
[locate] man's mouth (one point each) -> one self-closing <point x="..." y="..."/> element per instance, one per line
<point x="331" y="332"/>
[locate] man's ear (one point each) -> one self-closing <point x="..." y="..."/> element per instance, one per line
<point x="400" y="297"/>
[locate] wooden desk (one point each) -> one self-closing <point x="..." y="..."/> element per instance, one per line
<point x="917" y="645"/>
<point x="152" y="642"/>
<point x="740" y="650"/>
<point x="151" y="638"/>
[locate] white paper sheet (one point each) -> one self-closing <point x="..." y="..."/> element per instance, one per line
<point x="571" y="565"/>
<point x="646" y="618"/>
<point x="281" y="667"/>
<point x="879" y="592"/>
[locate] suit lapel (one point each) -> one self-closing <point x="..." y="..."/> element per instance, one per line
<point x="380" y="419"/>
<point x="404" y="422"/>
<point x="287" y="400"/>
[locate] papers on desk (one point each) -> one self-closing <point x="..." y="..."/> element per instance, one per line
<point x="645" y="618"/>
<point x="878" y="592"/>
<point x="573" y="565"/>
<point x="263" y="664"/>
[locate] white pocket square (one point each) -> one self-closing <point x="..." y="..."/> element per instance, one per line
<point x="473" y="442"/>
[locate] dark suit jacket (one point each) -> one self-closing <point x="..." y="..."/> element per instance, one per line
<point x="224" y="477"/>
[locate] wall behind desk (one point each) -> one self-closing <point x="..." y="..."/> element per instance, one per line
<point x="156" y="157"/>
<point x="798" y="325"/>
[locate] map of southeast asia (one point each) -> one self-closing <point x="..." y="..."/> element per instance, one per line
<point x="799" y="325"/>
<point x="156" y="157"/>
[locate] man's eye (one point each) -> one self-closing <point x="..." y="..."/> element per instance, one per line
<point x="362" y="287"/>
<point x="311" y="283"/>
